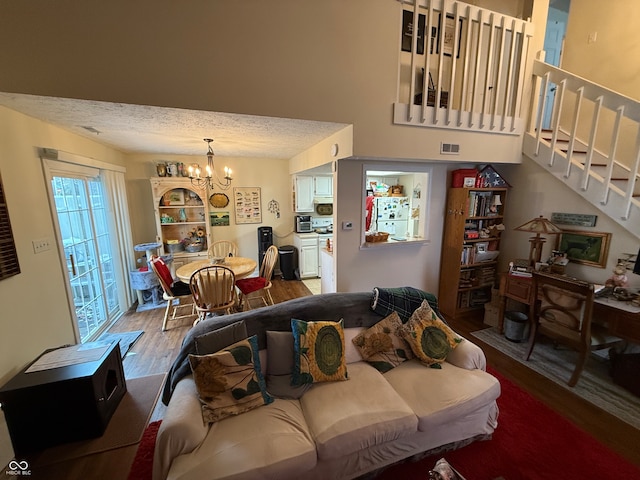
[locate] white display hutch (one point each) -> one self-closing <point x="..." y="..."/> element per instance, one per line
<point x="180" y="208"/>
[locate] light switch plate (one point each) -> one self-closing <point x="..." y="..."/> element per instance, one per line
<point x="41" y="245"/>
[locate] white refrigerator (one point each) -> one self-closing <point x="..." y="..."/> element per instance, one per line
<point x="391" y="215"/>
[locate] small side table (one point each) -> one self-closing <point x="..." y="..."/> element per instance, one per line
<point x="516" y="288"/>
<point x="66" y="403"/>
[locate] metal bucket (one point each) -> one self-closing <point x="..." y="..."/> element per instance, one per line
<point x="516" y="326"/>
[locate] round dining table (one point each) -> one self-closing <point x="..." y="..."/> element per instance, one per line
<point x="241" y="267"/>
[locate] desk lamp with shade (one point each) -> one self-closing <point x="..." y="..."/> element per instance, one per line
<point x="538" y="226"/>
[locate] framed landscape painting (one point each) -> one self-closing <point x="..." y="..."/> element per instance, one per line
<point x="586" y="248"/>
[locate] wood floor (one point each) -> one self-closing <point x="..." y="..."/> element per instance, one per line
<point x="155" y="350"/>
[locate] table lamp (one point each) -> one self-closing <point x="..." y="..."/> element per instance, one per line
<point x="538" y="225"/>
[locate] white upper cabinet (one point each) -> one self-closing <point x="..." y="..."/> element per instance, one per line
<point x="303" y="193"/>
<point x="323" y="186"/>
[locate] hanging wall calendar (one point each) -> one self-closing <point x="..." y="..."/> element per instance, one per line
<point x="248" y="205"/>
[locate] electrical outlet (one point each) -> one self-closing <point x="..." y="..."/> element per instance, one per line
<point x="41" y="245"/>
<point x="347" y="225"/>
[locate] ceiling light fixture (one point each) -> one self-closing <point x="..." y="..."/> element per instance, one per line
<point x="211" y="178"/>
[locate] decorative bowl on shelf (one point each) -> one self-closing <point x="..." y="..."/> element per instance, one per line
<point x="173" y="246"/>
<point x="194" y="247"/>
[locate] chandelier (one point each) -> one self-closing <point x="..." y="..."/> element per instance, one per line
<point x="211" y="178"/>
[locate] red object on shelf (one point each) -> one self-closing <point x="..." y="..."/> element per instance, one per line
<point x="459" y="176"/>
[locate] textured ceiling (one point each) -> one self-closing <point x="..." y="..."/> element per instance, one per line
<point x="174" y="131"/>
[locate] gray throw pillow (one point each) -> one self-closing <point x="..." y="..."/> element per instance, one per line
<point x="280" y="366"/>
<point x="216" y="340"/>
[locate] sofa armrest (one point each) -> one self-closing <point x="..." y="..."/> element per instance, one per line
<point x="182" y="428"/>
<point x="468" y="355"/>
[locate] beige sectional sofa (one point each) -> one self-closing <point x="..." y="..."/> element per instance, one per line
<point x="337" y="430"/>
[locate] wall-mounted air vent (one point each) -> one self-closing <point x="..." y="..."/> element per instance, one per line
<point x="450" y="148"/>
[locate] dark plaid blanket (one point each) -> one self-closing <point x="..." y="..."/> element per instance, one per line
<point x="403" y="300"/>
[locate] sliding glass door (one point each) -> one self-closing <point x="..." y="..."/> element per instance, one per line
<point x="83" y="224"/>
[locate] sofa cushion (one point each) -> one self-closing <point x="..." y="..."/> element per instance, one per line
<point x="269" y="442"/>
<point x="382" y="345"/>
<point x="216" y="340"/>
<point x="319" y="352"/>
<point x="280" y="366"/>
<point x="430" y="338"/>
<point x="439" y="396"/>
<point x="345" y="417"/>
<point x="230" y="382"/>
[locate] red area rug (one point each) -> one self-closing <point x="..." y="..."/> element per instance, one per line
<point x="532" y="442"/>
<point x="143" y="462"/>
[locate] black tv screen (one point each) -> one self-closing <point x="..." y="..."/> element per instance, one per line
<point x="636" y="267"/>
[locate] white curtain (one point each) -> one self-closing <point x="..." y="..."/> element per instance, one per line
<point x="122" y="239"/>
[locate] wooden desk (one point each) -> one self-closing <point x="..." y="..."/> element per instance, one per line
<point x="241" y="267"/>
<point x="516" y="288"/>
<point x="621" y="318"/>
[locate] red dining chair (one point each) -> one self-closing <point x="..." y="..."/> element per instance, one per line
<point x="171" y="293"/>
<point x="253" y="288"/>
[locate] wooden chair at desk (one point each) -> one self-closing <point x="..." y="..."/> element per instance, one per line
<point x="563" y="310"/>
<point x="213" y="289"/>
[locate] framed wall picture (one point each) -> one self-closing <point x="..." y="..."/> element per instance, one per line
<point x="248" y="204"/>
<point x="407" y="32"/>
<point x="586" y="248"/>
<point x="219" y="219"/>
<point x="448" y="38"/>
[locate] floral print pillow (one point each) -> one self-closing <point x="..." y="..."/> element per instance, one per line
<point x="319" y="352"/>
<point x="430" y="338"/>
<point x="382" y="346"/>
<point x="230" y="382"/>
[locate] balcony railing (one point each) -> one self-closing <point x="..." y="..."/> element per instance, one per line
<point x="588" y="136"/>
<point x="470" y="62"/>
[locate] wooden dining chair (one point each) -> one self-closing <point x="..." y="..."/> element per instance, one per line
<point x="223" y="248"/>
<point x="169" y="294"/>
<point x="563" y="311"/>
<point x="213" y="290"/>
<point x="257" y="288"/>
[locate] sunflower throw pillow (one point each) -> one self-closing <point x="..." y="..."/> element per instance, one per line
<point x="319" y="352"/>
<point x="430" y="338"/>
<point x="382" y="345"/>
<point x="230" y="382"/>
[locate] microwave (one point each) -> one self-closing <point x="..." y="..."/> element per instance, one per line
<point x="303" y="224"/>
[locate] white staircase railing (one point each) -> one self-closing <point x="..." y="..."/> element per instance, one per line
<point x="591" y="140"/>
<point x="474" y="61"/>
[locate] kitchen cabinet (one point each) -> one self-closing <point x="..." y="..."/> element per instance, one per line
<point x="306" y="187"/>
<point x="180" y="211"/>
<point x="327" y="282"/>
<point x="307" y="245"/>
<point x="323" y="186"/>
<point x="303" y="193"/>
<point x="470" y="248"/>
